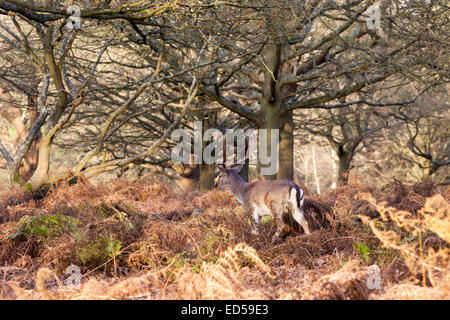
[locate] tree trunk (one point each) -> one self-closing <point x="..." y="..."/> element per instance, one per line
<point x="31" y="158"/>
<point x="286" y="148"/>
<point x="15" y="117"/>
<point x="285" y="157"/>
<point x="431" y="170"/>
<point x="206" y="177"/>
<point x="40" y="175"/>
<point x="207" y="171"/>
<point x="244" y="173"/>
<point x="271" y="122"/>
<point x="334" y="160"/>
<point x="316" y="177"/>
<point x="271" y="107"/>
<point x="345" y="159"/>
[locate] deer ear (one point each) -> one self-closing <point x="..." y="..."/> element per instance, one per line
<point x="221" y="167"/>
<point x="237" y="167"/>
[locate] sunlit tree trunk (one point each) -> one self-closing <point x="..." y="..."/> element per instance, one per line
<point x="286" y="148"/>
<point x="316" y="177"/>
<point x="284" y="125"/>
<point x="334" y="160"/>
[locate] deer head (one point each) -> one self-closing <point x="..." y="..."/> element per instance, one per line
<point x="229" y="175"/>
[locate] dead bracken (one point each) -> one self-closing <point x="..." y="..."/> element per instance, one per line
<point x="143" y="240"/>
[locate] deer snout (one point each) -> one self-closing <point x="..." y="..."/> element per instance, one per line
<point x="217" y="184"/>
<point x="220" y="184"/>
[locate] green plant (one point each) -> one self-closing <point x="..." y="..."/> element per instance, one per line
<point x="45" y="226"/>
<point x="16" y="178"/>
<point x="112" y="247"/>
<point x="28" y="187"/>
<point x="103" y="249"/>
<point x="207" y="245"/>
<point x="103" y="210"/>
<point x="363" y="250"/>
<point x="180" y="259"/>
<point x="266" y="219"/>
<point x="196" y="268"/>
<point x="12" y="131"/>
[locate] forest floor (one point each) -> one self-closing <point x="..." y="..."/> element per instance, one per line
<point x="143" y="240"/>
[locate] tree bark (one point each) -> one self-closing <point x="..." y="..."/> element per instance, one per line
<point x="244" y="173"/>
<point x="14" y="116"/>
<point x="285" y="124"/>
<point x="270" y="122"/>
<point x="40" y="175"/>
<point x="316" y="177"/>
<point x="286" y="148"/>
<point x="345" y="159"/>
<point x="207" y="172"/>
<point x="32" y="156"/>
<point x="334" y="160"/>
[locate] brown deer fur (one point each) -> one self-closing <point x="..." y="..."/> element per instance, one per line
<point x="260" y="198"/>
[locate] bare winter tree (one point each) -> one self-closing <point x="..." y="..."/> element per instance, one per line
<point x="263" y="60"/>
<point x="425" y="134"/>
<point x="60" y="96"/>
<point x="288" y="56"/>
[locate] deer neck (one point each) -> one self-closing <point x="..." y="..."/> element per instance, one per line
<point x="237" y="187"/>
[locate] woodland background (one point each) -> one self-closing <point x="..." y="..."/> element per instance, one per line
<point x="86" y="176"/>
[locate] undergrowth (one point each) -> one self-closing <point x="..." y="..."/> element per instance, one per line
<point x="143" y="240"/>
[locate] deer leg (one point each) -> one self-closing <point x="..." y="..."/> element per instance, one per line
<point x="299" y="216"/>
<point x="277" y="213"/>
<point x="255" y="220"/>
<point x="280" y="227"/>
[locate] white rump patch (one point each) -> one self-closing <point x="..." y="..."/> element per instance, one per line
<point x="297" y="212"/>
<point x="293" y="198"/>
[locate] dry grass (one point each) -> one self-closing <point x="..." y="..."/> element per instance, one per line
<point x="144" y="241"/>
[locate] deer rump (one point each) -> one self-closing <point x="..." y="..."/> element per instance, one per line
<point x="267" y="194"/>
<point x="277" y="198"/>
